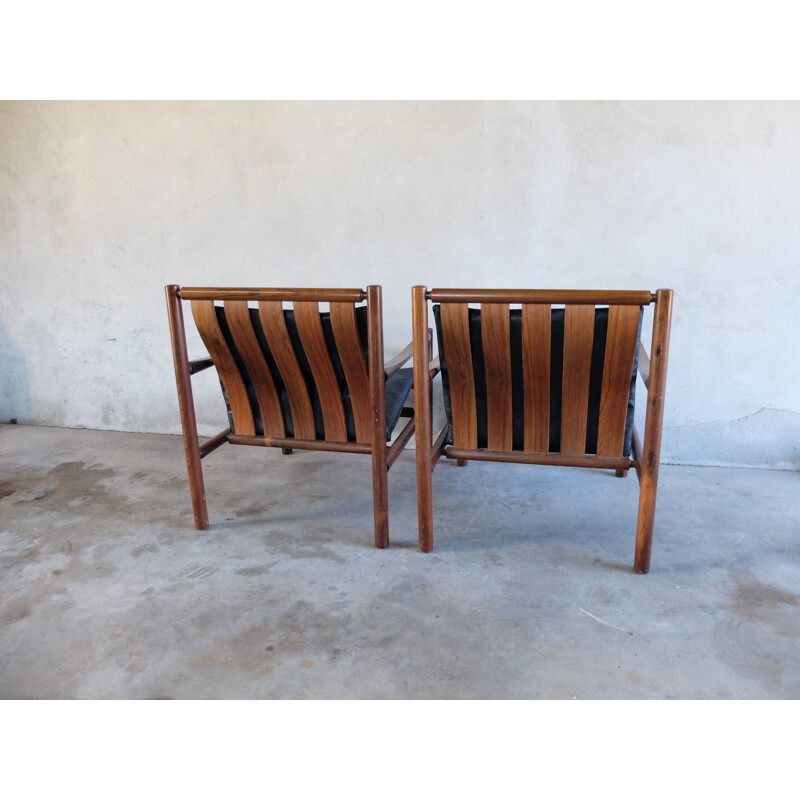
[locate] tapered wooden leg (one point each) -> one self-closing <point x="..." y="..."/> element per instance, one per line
<point x="380" y="495"/>
<point x="651" y="446"/>
<point x="422" y="404"/>
<point x="186" y="401"/>
<point x="377" y="380"/>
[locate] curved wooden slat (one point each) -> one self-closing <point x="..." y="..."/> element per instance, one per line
<point x="274" y="325"/>
<point x="578" y="340"/>
<point x="238" y="315"/>
<point x="455" y="336"/>
<point x="496" y="338"/>
<point x="205" y="319"/>
<point x="621" y="342"/>
<point x="348" y="343"/>
<point x="309" y="327"/>
<point x="536" y="325"/>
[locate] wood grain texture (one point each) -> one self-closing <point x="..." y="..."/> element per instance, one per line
<point x="274" y="325"/>
<point x="422" y="415"/>
<point x="536" y="325"/>
<point x="183" y="381"/>
<point x="496" y="338"/>
<point x="578" y="339"/>
<point x="238" y="315"/>
<point x="208" y="327"/>
<point x="348" y="343"/>
<point x="455" y="336"/>
<point x="309" y="326"/>
<point x="621" y="343"/>
<point x="651" y="446"/>
<point x="377" y="393"/>
<point x="551" y="296"/>
<point x="278" y="295"/>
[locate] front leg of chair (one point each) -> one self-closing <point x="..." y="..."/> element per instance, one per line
<point x="651" y="447"/>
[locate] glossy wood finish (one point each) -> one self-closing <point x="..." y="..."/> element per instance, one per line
<point x="279" y="295"/>
<point x="496" y="338"/>
<point x="455" y="335"/>
<point x="274" y="325"/>
<point x="621" y="344"/>
<point x="186" y="403"/>
<point x="345" y="331"/>
<point x="549" y="459"/>
<point x="578" y="338"/>
<point x="377" y="383"/>
<point x="309" y="326"/>
<point x="549" y="296"/>
<point x="301" y="444"/>
<point x="651" y="446"/>
<point x="536" y="326"/>
<point x="422" y="406"/>
<point x="391" y="366"/>
<point x="205" y="319"/>
<point x="237" y="314"/>
<point x="214" y="442"/>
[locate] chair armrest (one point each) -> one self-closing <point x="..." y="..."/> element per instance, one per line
<point x="199" y="364"/>
<point x="394" y="364"/>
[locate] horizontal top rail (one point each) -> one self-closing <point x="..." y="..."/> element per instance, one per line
<point x="301" y="295"/>
<point x="566" y="296"/>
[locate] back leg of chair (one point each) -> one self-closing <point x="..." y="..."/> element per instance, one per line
<point x="287" y="451"/>
<point x="651" y="446"/>
<point x="461" y="462"/>
<point x="621" y="473"/>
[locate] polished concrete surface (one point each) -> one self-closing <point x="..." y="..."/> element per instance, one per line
<point x="108" y="591"/>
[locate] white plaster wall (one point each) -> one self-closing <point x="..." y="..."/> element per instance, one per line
<point x="102" y="203"/>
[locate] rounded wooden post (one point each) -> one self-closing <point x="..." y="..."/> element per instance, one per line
<point x="651" y="446"/>
<point x="377" y="383"/>
<point x="422" y="415"/>
<point x="186" y="401"/>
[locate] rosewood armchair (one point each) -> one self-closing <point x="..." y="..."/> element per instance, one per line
<point x="542" y="377"/>
<point x="294" y="378"/>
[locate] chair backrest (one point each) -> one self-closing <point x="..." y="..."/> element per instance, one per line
<point x="539" y="371"/>
<point x="295" y="371"/>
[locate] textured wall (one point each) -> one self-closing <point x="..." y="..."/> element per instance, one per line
<point x="101" y="204"/>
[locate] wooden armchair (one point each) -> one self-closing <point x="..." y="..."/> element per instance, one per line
<point x="294" y="378"/>
<point x="527" y="382"/>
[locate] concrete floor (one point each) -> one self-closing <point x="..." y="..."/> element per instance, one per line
<point x="109" y="592"/>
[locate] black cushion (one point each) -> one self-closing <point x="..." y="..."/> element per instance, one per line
<point x="556" y="373"/>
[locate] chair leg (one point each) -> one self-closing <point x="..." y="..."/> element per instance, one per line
<point x="183" y="381"/>
<point x="645" y="519"/>
<point x="651" y="447"/>
<point x="196" y="486"/>
<point x="422" y="404"/>
<point x="461" y="462"/>
<point x="621" y="473"/>
<point x="287" y="451"/>
<point x="380" y="497"/>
